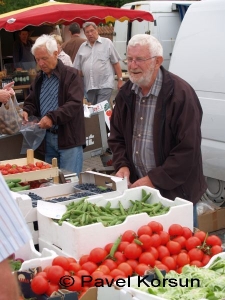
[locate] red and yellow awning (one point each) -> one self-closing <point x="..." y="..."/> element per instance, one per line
<point x="54" y="13"/>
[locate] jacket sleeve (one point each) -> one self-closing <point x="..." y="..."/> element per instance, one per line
<point x="185" y="149"/>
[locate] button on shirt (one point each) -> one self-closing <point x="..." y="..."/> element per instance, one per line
<point x="95" y="62"/>
<point x="143" y="152"/>
<point x="14" y="232"/>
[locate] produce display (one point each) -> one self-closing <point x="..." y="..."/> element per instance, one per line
<point x="133" y="253"/>
<point x="84" y="213"/>
<point x="91" y="187"/>
<point x="7" y="169"/>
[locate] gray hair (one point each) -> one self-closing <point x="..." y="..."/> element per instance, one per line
<point x="155" y="48"/>
<point x="47" y="41"/>
<point x="86" y="24"/>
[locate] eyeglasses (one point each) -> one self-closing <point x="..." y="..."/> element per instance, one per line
<point x="138" y="60"/>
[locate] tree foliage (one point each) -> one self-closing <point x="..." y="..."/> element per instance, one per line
<point x="10" y="5"/>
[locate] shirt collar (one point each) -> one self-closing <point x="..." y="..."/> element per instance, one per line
<point x="99" y="40"/>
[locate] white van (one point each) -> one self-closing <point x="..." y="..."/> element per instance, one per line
<point x="199" y="58"/>
<point x="167" y="19"/>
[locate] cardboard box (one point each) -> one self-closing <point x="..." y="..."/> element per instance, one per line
<point x="74" y="241"/>
<point x="96" y="136"/>
<point x="212" y="220"/>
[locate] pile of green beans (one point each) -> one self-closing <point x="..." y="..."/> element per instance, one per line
<point x="83" y="213"/>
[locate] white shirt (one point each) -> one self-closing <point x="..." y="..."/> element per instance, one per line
<point x="14" y="232"/>
<point x="96" y="63"/>
<point x="65" y="58"/>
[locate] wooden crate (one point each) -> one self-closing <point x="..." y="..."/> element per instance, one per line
<point x="52" y="172"/>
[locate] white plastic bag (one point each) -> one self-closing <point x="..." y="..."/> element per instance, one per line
<point x="11" y="116"/>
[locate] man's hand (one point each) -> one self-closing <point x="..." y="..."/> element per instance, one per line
<point x="144" y="181"/>
<point x="25" y="116"/>
<point x="124" y="172"/>
<point x="45" y="123"/>
<point x="4" y="96"/>
<point x="8" y="88"/>
<point x="119" y="84"/>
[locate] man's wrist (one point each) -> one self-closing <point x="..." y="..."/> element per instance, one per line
<point x="120" y="78"/>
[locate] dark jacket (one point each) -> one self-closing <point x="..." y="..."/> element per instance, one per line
<point x="176" y="138"/>
<point x="72" y="46"/>
<point x="70" y="114"/>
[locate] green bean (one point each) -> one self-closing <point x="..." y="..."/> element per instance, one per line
<point x="121" y="208"/>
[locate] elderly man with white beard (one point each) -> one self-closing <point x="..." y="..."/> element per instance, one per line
<point x="155" y="133"/>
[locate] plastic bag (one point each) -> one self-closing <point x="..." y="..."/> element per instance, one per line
<point x="205" y="205"/>
<point x="11" y="117"/>
<point x="33" y="135"/>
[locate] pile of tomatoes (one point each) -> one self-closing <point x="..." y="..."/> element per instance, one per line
<point x="133" y="253"/>
<point x="14" y="168"/>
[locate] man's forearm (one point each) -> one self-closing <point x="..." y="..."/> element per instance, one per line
<point x="9" y="289"/>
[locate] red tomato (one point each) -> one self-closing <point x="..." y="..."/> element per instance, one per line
<point x="169" y="262"/>
<point x="83" y="259"/>
<point x="173" y="247"/>
<point x="132" y="251"/>
<point x="154" y="251"/>
<point x="74" y="267"/>
<point x="126" y="268"/>
<point x="213" y="240"/>
<point x="43" y="274"/>
<point x="187" y="232"/>
<point x="116" y="272"/>
<point x="55" y="273"/>
<point x="163" y="251"/>
<point x="155" y="226"/>
<point x="89" y="266"/>
<point x="133" y="263"/>
<point x="175" y="230"/>
<point x="71" y="260"/>
<point x="119" y="257"/>
<point x="164" y="236"/>
<point x="104" y="269"/>
<point x="122" y="246"/>
<point x="156" y="240"/>
<point x="195" y="254"/>
<point x="181" y="240"/>
<point x="86" y="281"/>
<point x="76" y="286"/>
<point x="216" y="249"/>
<point x="146" y="241"/>
<point x="108" y="247"/>
<point x="39" y="285"/>
<point x="141" y="269"/>
<point x="39" y="164"/>
<point x="97" y="255"/>
<point x="201" y="235"/>
<point x="145" y="229"/>
<point x="129" y="236"/>
<point x="206" y="259"/>
<point x="111" y="264"/>
<point x="147" y="258"/>
<point x="61" y="261"/>
<point x="52" y="287"/>
<point x="182" y="259"/>
<point x="196" y="263"/>
<point x="192" y="242"/>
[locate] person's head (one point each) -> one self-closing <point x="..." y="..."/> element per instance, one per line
<point x="91" y="31"/>
<point x="45" y="51"/>
<point x="144" y="58"/>
<point x="74" y="28"/>
<point x="59" y="41"/>
<point x="24" y="35"/>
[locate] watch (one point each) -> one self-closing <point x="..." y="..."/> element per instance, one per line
<point x="120" y="78"/>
